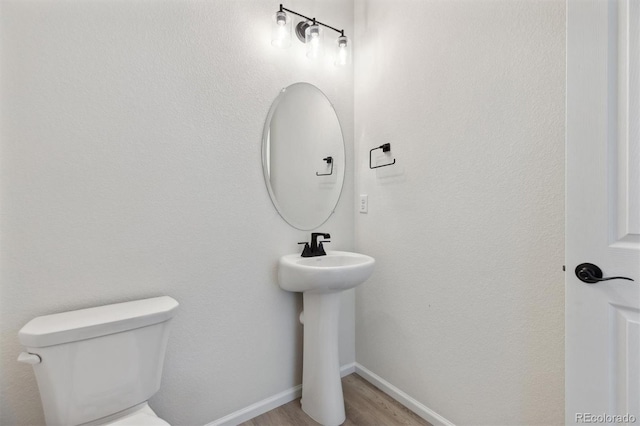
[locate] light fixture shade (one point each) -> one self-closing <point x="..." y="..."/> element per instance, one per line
<point x="313" y="38"/>
<point x="281" y="30"/>
<point x="343" y="54"/>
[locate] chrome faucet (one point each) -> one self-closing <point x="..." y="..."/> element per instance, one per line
<point x="316" y="248"/>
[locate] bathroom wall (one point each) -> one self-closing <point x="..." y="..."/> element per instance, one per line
<point x="465" y="309"/>
<point x="130" y="168"/>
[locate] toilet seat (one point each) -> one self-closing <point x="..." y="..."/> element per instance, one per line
<point x="139" y="419"/>
<point x="140" y="415"/>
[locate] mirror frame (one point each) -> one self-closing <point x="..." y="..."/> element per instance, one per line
<point x="267" y="181"/>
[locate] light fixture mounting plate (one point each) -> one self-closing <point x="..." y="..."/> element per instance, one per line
<point x="300" y="30"/>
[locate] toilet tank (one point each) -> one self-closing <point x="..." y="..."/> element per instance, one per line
<point x="96" y="362"/>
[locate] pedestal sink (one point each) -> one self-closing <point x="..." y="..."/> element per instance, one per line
<point x="321" y="279"/>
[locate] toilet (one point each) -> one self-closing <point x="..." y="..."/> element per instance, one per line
<point x="100" y="366"/>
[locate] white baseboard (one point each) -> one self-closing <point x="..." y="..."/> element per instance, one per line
<point x="268" y="404"/>
<point x="404" y="399"/>
<point x="345" y="370"/>
<point x="260" y="407"/>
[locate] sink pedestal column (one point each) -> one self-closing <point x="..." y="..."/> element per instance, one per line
<point x="321" y="386"/>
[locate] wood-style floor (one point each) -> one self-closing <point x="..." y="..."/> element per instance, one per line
<point x="365" y="405"/>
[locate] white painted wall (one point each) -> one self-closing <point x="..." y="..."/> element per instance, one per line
<point x="465" y="309"/>
<point x="130" y="168"/>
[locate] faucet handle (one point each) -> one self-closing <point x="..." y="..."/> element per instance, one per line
<point x="306" y="252"/>
<point x="321" y="247"/>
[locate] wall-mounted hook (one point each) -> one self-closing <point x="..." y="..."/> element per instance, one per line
<point x="385" y="148"/>
<point x="329" y="160"/>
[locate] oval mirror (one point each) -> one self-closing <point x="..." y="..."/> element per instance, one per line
<point x="303" y="156"/>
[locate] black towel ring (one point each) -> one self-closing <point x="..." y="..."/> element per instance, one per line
<point x="385" y="148"/>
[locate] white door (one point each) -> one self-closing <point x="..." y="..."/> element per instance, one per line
<point x="603" y="210"/>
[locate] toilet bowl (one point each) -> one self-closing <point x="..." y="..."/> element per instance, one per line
<point x="100" y="366"/>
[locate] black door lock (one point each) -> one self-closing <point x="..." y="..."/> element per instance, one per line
<point x="591" y="274"/>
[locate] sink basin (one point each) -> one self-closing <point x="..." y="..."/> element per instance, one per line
<point x="337" y="271"/>
<point x="321" y="279"/>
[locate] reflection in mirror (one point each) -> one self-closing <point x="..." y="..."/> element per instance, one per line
<point x="303" y="156"/>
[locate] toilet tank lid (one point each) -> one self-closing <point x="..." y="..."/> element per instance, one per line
<point x="83" y="324"/>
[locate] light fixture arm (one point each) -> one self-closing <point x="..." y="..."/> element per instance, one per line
<point x="284" y="9"/>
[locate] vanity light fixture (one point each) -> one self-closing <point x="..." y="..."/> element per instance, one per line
<point x="344" y="51"/>
<point x="313" y="39"/>
<point x="281" y="30"/>
<point x="309" y="31"/>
